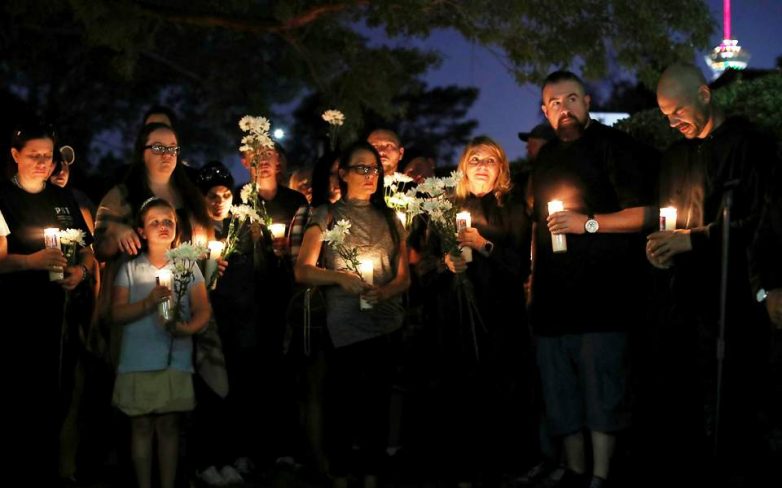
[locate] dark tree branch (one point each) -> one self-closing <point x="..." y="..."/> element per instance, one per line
<point x="249" y="26"/>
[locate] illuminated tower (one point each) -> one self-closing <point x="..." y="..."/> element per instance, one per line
<point x="728" y="54"/>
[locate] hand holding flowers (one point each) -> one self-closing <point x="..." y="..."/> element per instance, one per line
<point x="441" y="213"/>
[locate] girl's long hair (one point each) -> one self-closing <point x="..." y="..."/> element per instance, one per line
<point x="137" y="184"/>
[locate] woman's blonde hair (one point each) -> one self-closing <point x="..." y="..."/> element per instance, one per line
<point x="502" y="184"/>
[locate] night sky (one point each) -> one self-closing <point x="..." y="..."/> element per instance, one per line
<point x="504" y="108"/>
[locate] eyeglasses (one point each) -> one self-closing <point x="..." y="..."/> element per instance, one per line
<point x="475" y="162"/>
<point x="161" y="149"/>
<point x="361" y="169"/>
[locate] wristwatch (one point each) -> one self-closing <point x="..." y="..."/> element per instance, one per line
<point x="591" y="224"/>
<point x="762" y="295"/>
<point x="488" y="247"/>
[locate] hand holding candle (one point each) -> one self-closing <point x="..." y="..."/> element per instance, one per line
<point x="558" y="241"/>
<point x="668" y="216"/>
<point x="278" y="237"/>
<point x="52" y="241"/>
<point x="367" y="270"/>
<point x="464" y="221"/>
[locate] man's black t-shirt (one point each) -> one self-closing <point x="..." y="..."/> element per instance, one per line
<point x="595" y="285"/>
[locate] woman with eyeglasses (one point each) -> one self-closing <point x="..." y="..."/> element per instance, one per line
<point x="32" y="299"/>
<point x="154" y="171"/>
<point x="481" y="395"/>
<point x="360" y="357"/>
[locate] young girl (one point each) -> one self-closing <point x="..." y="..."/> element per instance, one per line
<point x="154" y="376"/>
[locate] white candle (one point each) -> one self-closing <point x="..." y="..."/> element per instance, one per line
<point x="210" y="272"/>
<point x="52" y="240"/>
<point x="402" y="217"/>
<point x="464" y="221"/>
<point x="277" y="230"/>
<point x="668" y="217"/>
<point x="367" y="270"/>
<point x="558" y="241"/>
<point x="164" y="279"/>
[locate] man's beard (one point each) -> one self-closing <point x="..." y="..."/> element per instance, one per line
<point x="571" y="131"/>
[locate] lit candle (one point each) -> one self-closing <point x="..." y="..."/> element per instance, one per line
<point x="199" y="240"/>
<point x="402" y="217"/>
<point x="215" y="251"/>
<point x="277" y="230"/>
<point x="558" y="242"/>
<point x="367" y="270"/>
<point x="51" y="238"/>
<point x="164" y="279"/>
<point x="668" y="217"/>
<point x="464" y="221"/>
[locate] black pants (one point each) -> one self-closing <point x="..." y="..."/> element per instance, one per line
<point x="358" y="395"/>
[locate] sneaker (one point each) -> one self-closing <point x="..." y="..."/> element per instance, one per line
<point x="571" y="479"/>
<point x="534" y="475"/>
<point x="231" y="475"/>
<point x="598" y="482"/>
<point x="211" y="477"/>
<point x="244" y="465"/>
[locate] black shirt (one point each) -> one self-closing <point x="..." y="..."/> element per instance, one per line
<point x="693" y="178"/>
<point x="594" y="286"/>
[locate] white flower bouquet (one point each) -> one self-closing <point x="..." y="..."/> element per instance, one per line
<point x="335" y="238"/>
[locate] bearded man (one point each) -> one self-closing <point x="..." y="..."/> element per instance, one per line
<point x="585" y="300"/>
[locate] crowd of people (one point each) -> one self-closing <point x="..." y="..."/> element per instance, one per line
<point x="576" y="338"/>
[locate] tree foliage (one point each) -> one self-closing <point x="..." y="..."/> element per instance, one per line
<point x="94" y="66"/>
<point x="759" y="100"/>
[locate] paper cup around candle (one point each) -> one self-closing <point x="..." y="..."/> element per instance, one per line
<point x="277" y="230"/>
<point x="215" y="250"/>
<point x="558" y="241"/>
<point x="367" y="270"/>
<point x="164" y="308"/>
<point x="52" y="240"/>
<point x="668" y="216"/>
<point x="464" y="221"/>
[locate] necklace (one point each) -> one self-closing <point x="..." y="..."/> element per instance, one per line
<point x="15" y="180"/>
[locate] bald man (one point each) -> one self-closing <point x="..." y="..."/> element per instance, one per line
<point x="717" y="153"/>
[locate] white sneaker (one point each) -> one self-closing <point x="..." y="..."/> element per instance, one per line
<point x="244" y="465"/>
<point x="211" y="477"/>
<point x="231" y="475"/>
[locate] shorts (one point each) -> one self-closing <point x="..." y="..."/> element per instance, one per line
<point x="585" y="382"/>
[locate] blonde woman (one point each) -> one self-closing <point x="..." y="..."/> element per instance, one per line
<point x="484" y="373"/>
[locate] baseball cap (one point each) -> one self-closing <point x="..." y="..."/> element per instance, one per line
<point x="540" y="131"/>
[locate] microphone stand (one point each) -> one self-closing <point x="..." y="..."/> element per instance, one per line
<point x="729" y="186"/>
